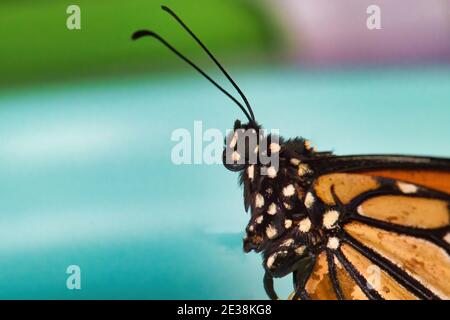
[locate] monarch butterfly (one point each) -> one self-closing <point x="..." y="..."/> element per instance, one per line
<point x="335" y="222"/>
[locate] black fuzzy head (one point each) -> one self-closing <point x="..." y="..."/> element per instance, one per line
<point x="241" y="146"/>
<point x="248" y="144"/>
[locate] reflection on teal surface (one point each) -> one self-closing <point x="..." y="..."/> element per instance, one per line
<point x="86" y="176"/>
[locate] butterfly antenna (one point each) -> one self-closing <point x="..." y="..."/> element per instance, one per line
<point x="168" y="10"/>
<point x="146" y="33"/>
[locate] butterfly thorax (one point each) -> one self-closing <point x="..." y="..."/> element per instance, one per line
<point x="276" y="194"/>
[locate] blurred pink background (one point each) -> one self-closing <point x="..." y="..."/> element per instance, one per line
<point x="324" y="32"/>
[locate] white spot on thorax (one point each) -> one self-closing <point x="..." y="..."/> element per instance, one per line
<point x="309" y="200"/>
<point x="330" y="218"/>
<point x="295" y="161"/>
<point x="259" y="200"/>
<point x="271" y="231"/>
<point x="304" y="225"/>
<point x="289" y="191"/>
<point x="272" y="209"/>
<point x="287" y="243"/>
<point x="287" y="205"/>
<point x="271" y="260"/>
<point x="303" y="169"/>
<point x="407" y="187"/>
<point x="333" y="243"/>
<point x="300" y="250"/>
<point x="274" y="147"/>
<point x="234" y="140"/>
<point x="251" y="172"/>
<point x="271" y="172"/>
<point x="287" y="223"/>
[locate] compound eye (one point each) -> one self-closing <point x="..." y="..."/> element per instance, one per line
<point x="232" y="162"/>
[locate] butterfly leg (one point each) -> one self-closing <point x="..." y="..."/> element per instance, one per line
<point x="268" y="286"/>
<point x="301" y="276"/>
<point x="300" y="292"/>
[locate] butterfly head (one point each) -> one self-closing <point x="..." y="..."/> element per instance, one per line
<point x="243" y="146"/>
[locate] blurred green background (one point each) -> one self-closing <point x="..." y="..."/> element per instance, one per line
<point x="86" y="118"/>
<point x="37" y="47"/>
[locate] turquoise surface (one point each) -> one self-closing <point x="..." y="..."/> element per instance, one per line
<point x="86" y="176"/>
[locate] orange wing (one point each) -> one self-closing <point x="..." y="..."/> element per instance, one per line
<point x="394" y="240"/>
<point x="434" y="179"/>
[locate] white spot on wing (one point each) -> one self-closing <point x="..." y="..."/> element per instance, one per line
<point x="333" y="243"/>
<point x="447" y="237"/>
<point x="407" y="187"/>
<point x="259" y="219"/>
<point x="295" y="161"/>
<point x="330" y="218"/>
<point x="360" y="210"/>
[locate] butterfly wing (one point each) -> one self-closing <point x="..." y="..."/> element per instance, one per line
<point x="392" y="238"/>
<point x="427" y="171"/>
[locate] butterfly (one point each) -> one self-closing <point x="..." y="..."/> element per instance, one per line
<point x="345" y="227"/>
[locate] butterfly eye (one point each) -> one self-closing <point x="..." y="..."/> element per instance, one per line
<point x="230" y="164"/>
<point x="235" y="154"/>
<point x="241" y="147"/>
